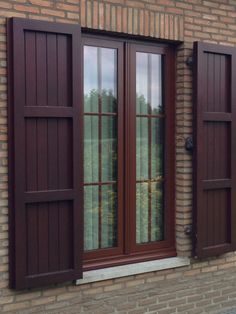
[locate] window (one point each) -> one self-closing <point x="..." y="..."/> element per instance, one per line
<point x="123" y="210"/>
<point x="128" y="151"/>
<point x="90" y="186"/>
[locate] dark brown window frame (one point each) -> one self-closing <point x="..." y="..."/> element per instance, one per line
<point x="127" y="251"/>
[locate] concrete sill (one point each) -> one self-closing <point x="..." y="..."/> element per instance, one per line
<point x="132" y="269"/>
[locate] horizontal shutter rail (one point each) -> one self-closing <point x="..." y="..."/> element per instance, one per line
<point x="63" y="112"/>
<point x="217" y="249"/>
<point x="39" y="26"/>
<point x="215" y="49"/>
<point x="217" y="116"/>
<point x="49" y="196"/>
<point x="216" y="184"/>
<point x="43" y="279"/>
<point x="50" y="274"/>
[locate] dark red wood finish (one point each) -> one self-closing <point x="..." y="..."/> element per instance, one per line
<point x="127" y="251"/>
<point x="119" y="115"/>
<point x="46" y="152"/>
<point x="215" y="149"/>
<point x="168" y="55"/>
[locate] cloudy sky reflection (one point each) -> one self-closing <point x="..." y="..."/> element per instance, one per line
<point x="148" y="73"/>
<point x="100" y="62"/>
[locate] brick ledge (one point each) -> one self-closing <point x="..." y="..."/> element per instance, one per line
<point x="132" y="269"/>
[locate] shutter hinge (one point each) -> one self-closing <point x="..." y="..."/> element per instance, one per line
<point x="189" y="145"/>
<point x="190" y="61"/>
<point x="188" y="230"/>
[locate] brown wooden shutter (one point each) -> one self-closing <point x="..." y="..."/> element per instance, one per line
<point x="215" y="149"/>
<point x="45" y="153"/>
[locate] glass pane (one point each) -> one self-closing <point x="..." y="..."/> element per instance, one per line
<point x="148" y="83"/>
<point x="142" y="212"/>
<point x="109" y="216"/>
<point x="141" y="148"/>
<point x="90" y="79"/>
<point x="142" y="83"/>
<point x="149" y="149"/>
<point x="109" y="149"/>
<point x="109" y="79"/>
<point x="156" y="83"/>
<point x="91" y="218"/>
<point x="91" y="149"/>
<point x="100" y="147"/>
<point x="100" y="79"/>
<point x="157" y="147"/>
<point x="157" y="223"/>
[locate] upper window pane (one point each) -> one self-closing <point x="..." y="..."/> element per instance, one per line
<point x="100" y="79"/>
<point x="148" y="83"/>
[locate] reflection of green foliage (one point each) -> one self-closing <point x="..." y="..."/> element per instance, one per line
<point x="142" y="166"/>
<point x="108" y="101"/>
<point x="142" y="219"/>
<point x="108" y="141"/>
<point x="108" y="218"/>
<point x="109" y="172"/>
<point x="143" y="107"/>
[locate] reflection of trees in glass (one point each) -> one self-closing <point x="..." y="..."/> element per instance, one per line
<point x="143" y="107"/>
<point x="157" y="214"/>
<point x="149" y="191"/>
<point x="109" y="216"/>
<point x="108" y="170"/>
<point x="108" y="101"/>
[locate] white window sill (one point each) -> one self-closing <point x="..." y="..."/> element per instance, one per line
<point x="132" y="269"/>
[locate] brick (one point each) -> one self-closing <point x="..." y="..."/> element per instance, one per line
<point x="5" y="5"/>
<point x="26" y="8"/>
<point x="226" y="265"/>
<point x="53" y="12"/>
<point x="7" y="299"/>
<point x="43" y="300"/>
<point x="68" y="7"/>
<point x="28" y="296"/>
<point x="42" y="3"/>
<point x="134" y="282"/>
<point x="114" y="287"/>
<point x="15" y="306"/>
<point x="92" y="291"/>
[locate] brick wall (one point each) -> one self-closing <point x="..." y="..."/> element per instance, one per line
<point x="165" y="291"/>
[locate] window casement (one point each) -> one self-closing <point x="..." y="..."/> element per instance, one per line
<point x="129" y="151"/>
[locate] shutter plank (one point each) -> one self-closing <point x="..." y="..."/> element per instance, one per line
<point x="52" y="90"/>
<point x="46" y="196"/>
<point x="215" y="150"/>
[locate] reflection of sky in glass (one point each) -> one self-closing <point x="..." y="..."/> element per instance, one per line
<point x="90" y="69"/>
<point x="142" y="75"/>
<point x="148" y="75"/>
<point x="101" y="60"/>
